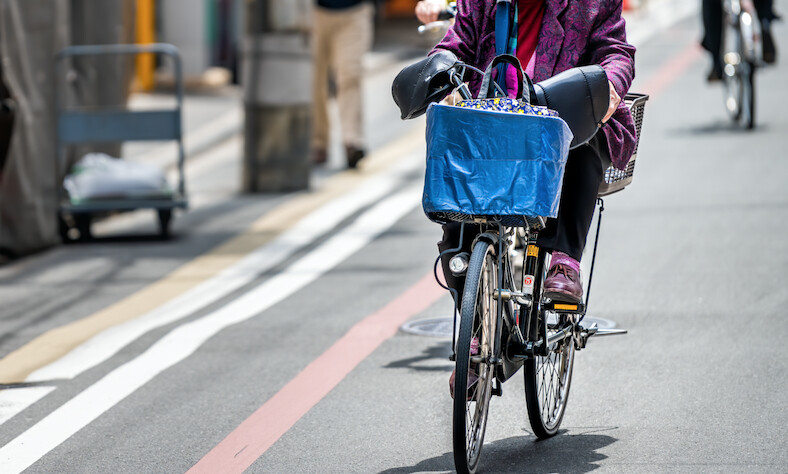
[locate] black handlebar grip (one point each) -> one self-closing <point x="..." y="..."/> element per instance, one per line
<point x="447" y="14"/>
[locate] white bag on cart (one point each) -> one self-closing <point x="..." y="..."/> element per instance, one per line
<point x="98" y="176"/>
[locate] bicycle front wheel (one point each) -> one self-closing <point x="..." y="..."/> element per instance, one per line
<point x="476" y="348"/>
<point x="548" y="377"/>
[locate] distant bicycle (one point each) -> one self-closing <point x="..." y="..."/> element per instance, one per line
<point x="741" y="56"/>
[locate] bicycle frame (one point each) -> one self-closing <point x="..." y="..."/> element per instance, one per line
<point x="519" y="311"/>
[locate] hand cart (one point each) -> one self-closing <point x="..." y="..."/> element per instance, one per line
<point x="119" y="124"/>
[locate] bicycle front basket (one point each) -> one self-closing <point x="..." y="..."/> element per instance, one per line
<point x="615" y="180"/>
<point x="487" y="165"/>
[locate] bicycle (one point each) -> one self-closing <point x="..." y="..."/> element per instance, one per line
<point x="740" y="58"/>
<point x="505" y="323"/>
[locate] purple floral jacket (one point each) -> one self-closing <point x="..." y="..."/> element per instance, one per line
<point x="574" y="33"/>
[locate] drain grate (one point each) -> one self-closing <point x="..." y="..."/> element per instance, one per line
<point x="434" y="327"/>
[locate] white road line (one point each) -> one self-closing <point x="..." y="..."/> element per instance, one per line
<point x="78" y="412"/>
<point x="105" y="344"/>
<point x="13" y="401"/>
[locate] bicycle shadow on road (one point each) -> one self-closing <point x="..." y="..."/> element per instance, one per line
<point x="437" y="352"/>
<point x="566" y="453"/>
<point x="719" y="127"/>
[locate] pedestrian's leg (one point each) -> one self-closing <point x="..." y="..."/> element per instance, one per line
<point x="712" y="36"/>
<point x="322" y="60"/>
<point x="766" y="15"/>
<point x="353" y="41"/>
<point x="765" y="9"/>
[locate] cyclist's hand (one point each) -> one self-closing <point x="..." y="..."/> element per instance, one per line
<point x="427" y="11"/>
<point x="615" y="99"/>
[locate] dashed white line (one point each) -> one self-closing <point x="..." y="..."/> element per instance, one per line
<point x="75" y="414"/>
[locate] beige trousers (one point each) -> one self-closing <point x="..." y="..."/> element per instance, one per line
<point x="341" y="38"/>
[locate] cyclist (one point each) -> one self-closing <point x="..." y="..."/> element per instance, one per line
<point x="552" y="36"/>
<point x="712" y="34"/>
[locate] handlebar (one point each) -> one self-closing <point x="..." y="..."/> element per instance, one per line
<point x="444" y="20"/>
<point x="457" y="78"/>
<point x="449" y="13"/>
<point x="434" y="26"/>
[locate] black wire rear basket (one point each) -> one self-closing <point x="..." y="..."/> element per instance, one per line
<point x="615" y="179"/>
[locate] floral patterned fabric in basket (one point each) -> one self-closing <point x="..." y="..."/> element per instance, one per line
<point x="505" y="104"/>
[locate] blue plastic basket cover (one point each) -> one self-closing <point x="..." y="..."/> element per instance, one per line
<point x="489" y="163"/>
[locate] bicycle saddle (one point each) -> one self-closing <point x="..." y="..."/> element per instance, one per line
<point x="422" y="83"/>
<point x="580" y="95"/>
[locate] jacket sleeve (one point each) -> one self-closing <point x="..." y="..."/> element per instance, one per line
<point x="609" y="48"/>
<point x="462" y="35"/>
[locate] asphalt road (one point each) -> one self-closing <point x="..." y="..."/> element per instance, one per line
<point x="296" y="365"/>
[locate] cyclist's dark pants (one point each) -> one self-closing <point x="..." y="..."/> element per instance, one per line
<point x="712" y="25"/>
<point x="566" y="233"/>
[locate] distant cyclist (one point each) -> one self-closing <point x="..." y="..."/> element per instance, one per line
<point x="712" y="36"/>
<point x="551" y="36"/>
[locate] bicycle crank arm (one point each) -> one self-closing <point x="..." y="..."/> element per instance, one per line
<point x="559" y="336"/>
<point x="528" y="349"/>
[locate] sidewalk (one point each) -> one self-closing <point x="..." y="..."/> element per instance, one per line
<point x="213" y="116"/>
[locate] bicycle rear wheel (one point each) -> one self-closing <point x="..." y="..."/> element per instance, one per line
<point x="476" y="347"/>
<point x="748" y="96"/>
<point x="548" y="377"/>
<point x="739" y="71"/>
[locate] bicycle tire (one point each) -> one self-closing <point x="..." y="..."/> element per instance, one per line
<point x="748" y="96"/>
<point x="547" y="378"/>
<point x="478" y="319"/>
<point x="733" y="96"/>
<point x="732" y="61"/>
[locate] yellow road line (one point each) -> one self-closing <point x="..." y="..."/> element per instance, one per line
<point x="54" y="344"/>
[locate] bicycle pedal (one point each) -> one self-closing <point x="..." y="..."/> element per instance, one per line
<point x="565" y="308"/>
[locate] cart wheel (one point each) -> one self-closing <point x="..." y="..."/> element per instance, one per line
<point x="82" y="223"/>
<point x="165" y="215"/>
<point x="62" y="228"/>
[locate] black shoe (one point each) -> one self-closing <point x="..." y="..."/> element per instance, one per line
<point x="354" y="155"/>
<point x="715" y="75"/>
<point x="563" y="284"/>
<point x="769" y="50"/>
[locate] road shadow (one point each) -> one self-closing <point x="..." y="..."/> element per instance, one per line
<point x="439" y="351"/>
<point x="720" y="127"/>
<point x="125" y="238"/>
<point x="565" y="453"/>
